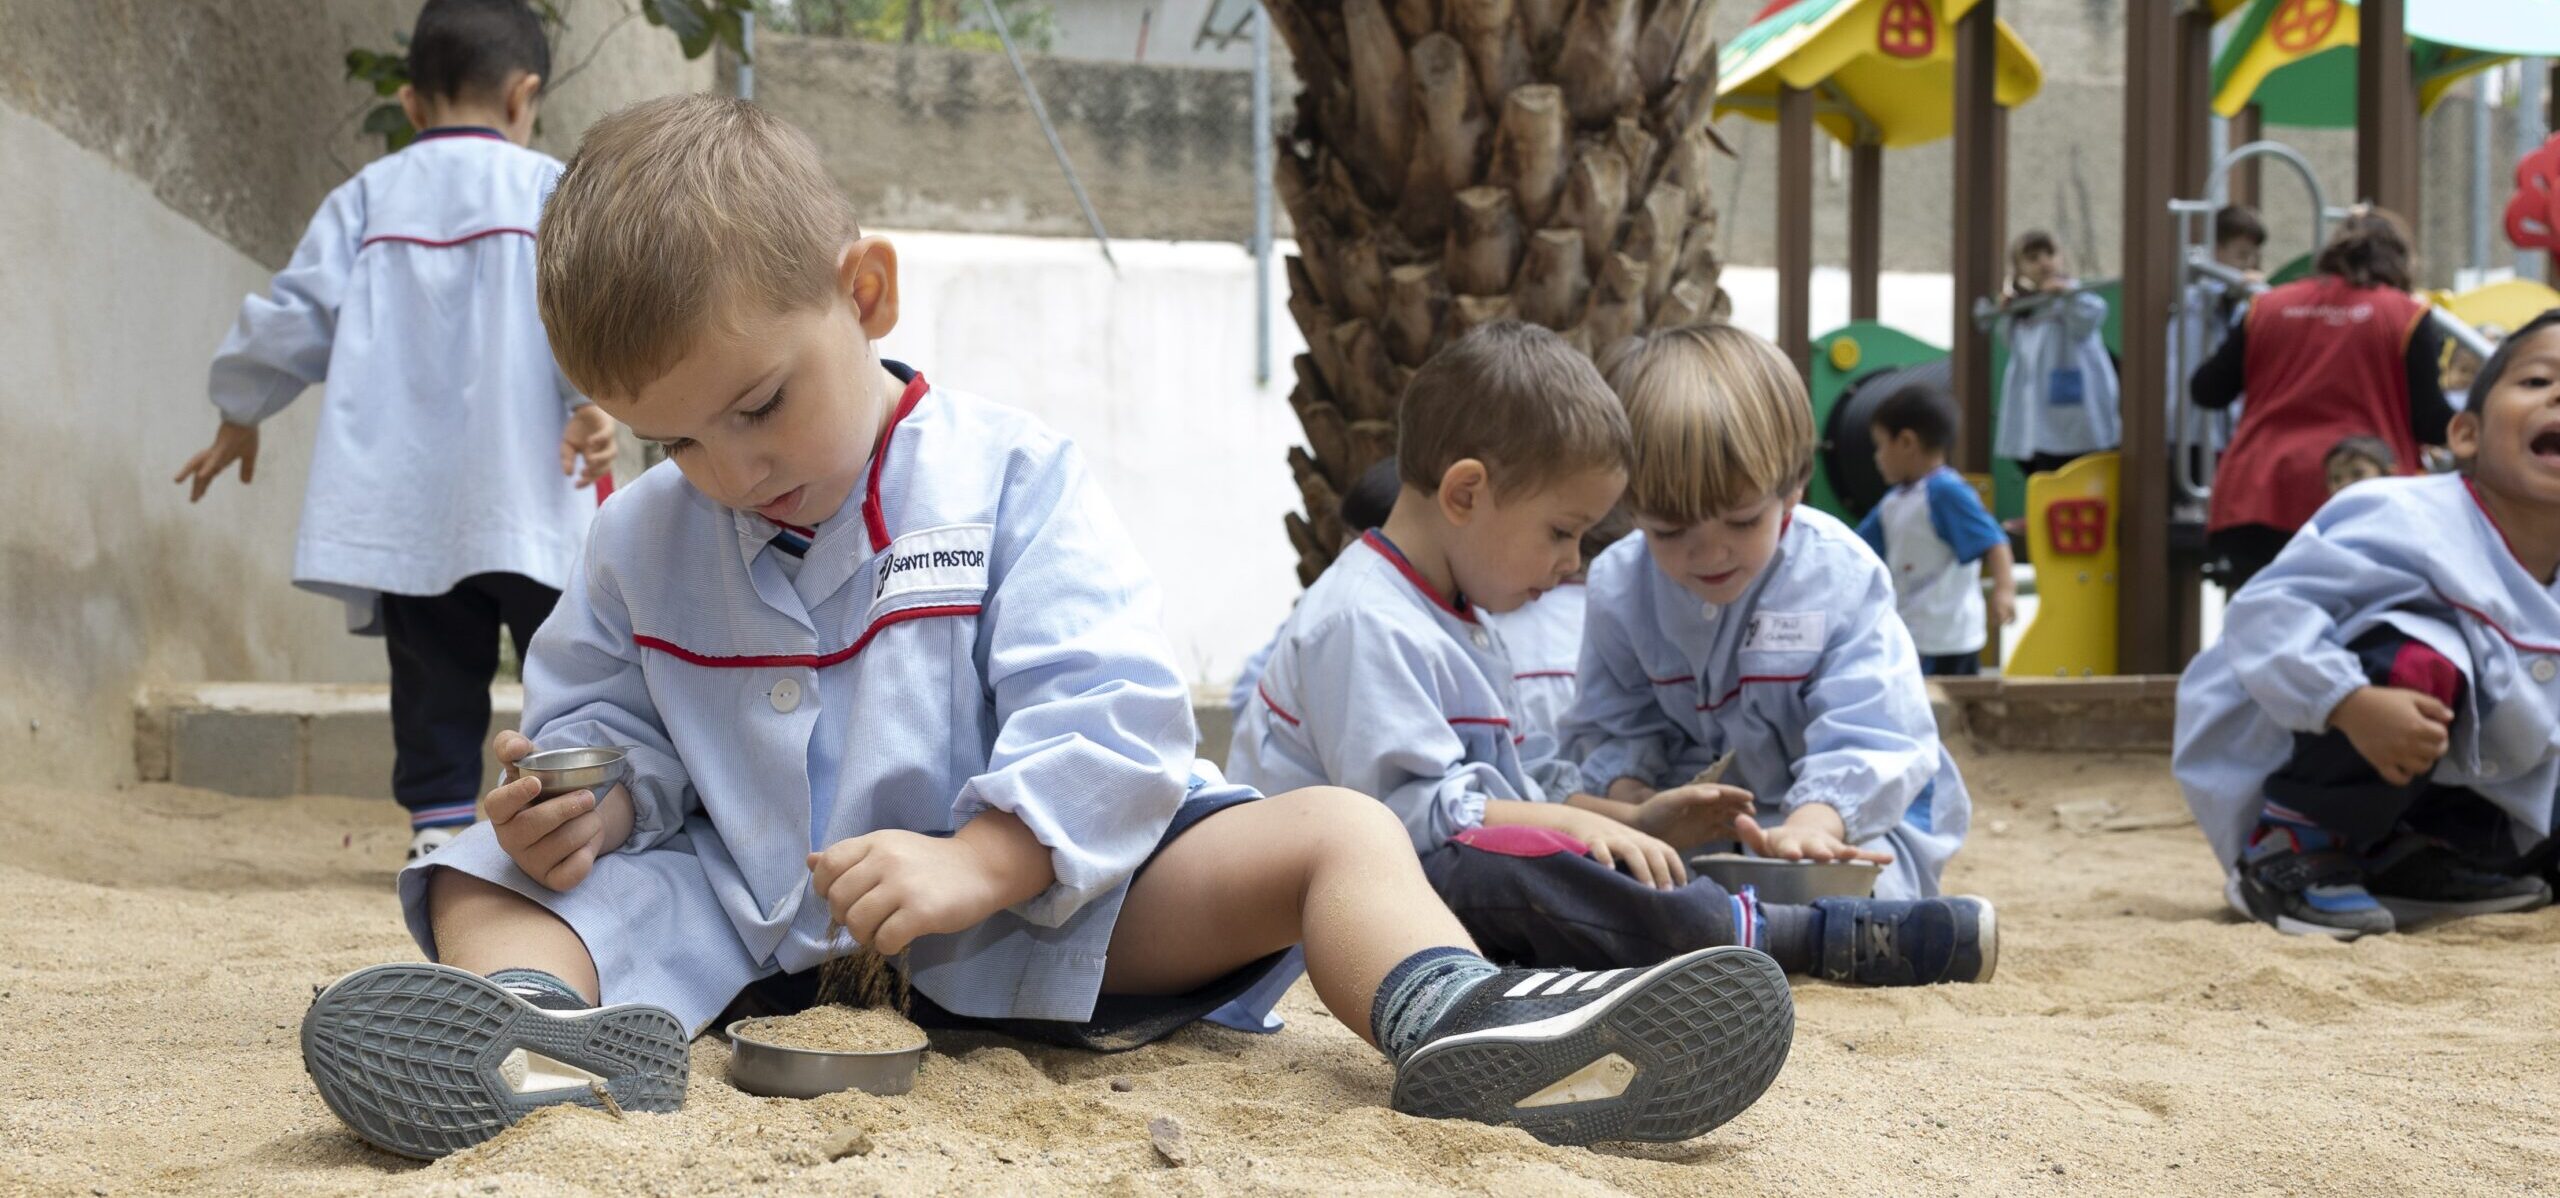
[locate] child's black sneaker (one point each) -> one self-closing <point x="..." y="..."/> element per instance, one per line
<point x="1908" y="942"/>
<point x="2418" y="878"/>
<point x="424" y="1059"/>
<point x="1664" y="1053"/>
<point x="2301" y="881"/>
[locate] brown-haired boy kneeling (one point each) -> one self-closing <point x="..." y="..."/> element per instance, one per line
<point x="883" y="658"/>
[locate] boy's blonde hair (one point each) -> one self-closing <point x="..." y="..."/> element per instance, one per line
<point x="1519" y="399"/>
<point x="1720" y="419"/>
<point x="675" y="215"/>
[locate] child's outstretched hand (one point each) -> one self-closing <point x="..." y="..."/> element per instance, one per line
<point x="2402" y="732"/>
<point x="589" y="436"/>
<point x="887" y="888"/>
<point x="1812" y="833"/>
<point x="1694" y="814"/>
<point x="231" y="443"/>
<point x="555" y="843"/>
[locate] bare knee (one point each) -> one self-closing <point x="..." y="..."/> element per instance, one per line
<point x="1345" y="821"/>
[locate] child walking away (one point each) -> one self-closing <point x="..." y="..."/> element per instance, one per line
<point x="1738" y="622"/>
<point x="2372" y="742"/>
<point x="1388" y="681"/>
<point x="1935" y="536"/>
<point x="2058" y="400"/>
<point x="886" y="662"/>
<point x="441" y="506"/>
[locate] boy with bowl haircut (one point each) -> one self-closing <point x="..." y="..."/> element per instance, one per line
<point x="884" y="661"/>
<point x="1935" y="536"/>
<point x="1387" y="680"/>
<point x="2371" y="742"/>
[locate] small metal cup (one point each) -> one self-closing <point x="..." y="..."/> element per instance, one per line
<point x="564" y="770"/>
<point x="773" y="1071"/>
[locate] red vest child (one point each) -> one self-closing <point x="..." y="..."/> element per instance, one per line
<point x="2326" y="361"/>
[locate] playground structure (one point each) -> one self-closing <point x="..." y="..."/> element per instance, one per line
<point x="1880" y="73"/>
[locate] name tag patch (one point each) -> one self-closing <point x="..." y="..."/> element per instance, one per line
<point x="950" y="558"/>
<point x="1784" y="631"/>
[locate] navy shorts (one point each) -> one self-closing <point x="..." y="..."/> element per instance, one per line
<point x="1120" y="1022"/>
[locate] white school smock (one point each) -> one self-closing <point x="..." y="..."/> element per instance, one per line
<point x="1543" y="638"/>
<point x="1932" y="535"/>
<point x="2419" y="555"/>
<point x="438" y="455"/>
<point x="2060" y="393"/>
<point x="1383" y="685"/>
<point x="1808" y="679"/>
<point x="1000" y="641"/>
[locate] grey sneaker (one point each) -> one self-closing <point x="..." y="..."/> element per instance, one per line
<point x="423" y="1059"/>
<point x="1665" y="1053"/>
<point x="2418" y="878"/>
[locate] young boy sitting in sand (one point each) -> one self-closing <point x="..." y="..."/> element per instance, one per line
<point x="2372" y="742"/>
<point x="1934" y="535"/>
<point x="884" y="661"/>
<point x="1387" y="681"/>
<point x="1736" y="622"/>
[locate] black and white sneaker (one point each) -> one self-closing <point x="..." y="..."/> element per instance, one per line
<point x="2416" y="878"/>
<point x="1665" y="1053"/>
<point x="423" y="1059"/>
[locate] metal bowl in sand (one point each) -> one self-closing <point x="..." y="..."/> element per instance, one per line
<point x="1787" y="881"/>
<point x="774" y="1071"/>
<point x="564" y="770"/>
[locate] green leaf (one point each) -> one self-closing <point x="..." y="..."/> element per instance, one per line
<point x="387" y="120"/>
<point x="685" y="18"/>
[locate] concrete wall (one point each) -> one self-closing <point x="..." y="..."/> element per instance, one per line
<point x="1108" y="31"/>
<point x="929" y="138"/>
<point x="161" y="160"/>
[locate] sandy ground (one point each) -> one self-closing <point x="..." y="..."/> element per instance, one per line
<point x="161" y="944"/>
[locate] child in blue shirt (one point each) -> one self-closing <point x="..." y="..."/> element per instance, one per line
<point x="437" y="508"/>
<point x="888" y="670"/>
<point x="1934" y="534"/>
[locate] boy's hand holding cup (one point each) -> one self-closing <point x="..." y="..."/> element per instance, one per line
<point x="555" y="841"/>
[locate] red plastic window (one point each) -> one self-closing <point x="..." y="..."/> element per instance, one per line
<point x="1907" y="29"/>
<point x="2077" y="525"/>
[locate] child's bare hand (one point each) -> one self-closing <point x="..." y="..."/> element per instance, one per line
<point x="557" y="842"/>
<point x="589" y="436"/>
<point x="231" y="443"/>
<point x="1692" y="814"/>
<point x="2402" y="732"/>
<point x="1615" y="844"/>
<point x="1793" y="841"/>
<point x="888" y="888"/>
<point x="2004" y="608"/>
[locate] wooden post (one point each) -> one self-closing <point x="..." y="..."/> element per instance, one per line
<point x="2193" y="162"/>
<point x="2243" y="179"/>
<point x="2144" y="608"/>
<point x="1976" y="255"/>
<point x="2386" y="112"/>
<point x="1866" y="227"/>
<point x="1795" y="227"/>
<point x="2194" y="49"/>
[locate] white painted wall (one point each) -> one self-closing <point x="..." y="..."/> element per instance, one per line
<point x="1151" y="371"/>
<point x="110" y="306"/>
<point x="1918" y="304"/>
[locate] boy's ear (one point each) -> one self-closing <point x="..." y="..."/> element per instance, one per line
<point x="2463" y="435"/>
<point x="522" y="95"/>
<point x="1464" y="488"/>
<point x="411" y="105"/>
<point x="867" y="277"/>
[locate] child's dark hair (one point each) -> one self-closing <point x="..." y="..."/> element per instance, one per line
<point x="472" y="47"/>
<point x="1371" y="497"/>
<point x="2033" y="241"/>
<point x="2371" y="449"/>
<point x="2369" y="249"/>
<point x="2238" y="222"/>
<point x="1919" y="409"/>
<point x="2496" y="367"/>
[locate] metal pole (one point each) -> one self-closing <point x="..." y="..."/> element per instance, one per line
<point x="1047" y="130"/>
<point x="1261" y="134"/>
<point x="747" y="59"/>
<point x="2479" y="174"/>
<point x="2530" y="132"/>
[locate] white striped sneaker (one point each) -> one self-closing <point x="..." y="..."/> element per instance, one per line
<point x="1663" y="1053"/>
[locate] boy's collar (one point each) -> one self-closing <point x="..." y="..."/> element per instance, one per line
<point x="441" y="131"/>
<point x="874" y="517"/>
<point x="1457" y="606"/>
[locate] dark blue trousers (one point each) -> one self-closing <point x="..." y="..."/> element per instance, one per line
<point x="444" y="654"/>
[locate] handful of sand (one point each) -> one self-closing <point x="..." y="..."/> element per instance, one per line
<point x="834" y="1028"/>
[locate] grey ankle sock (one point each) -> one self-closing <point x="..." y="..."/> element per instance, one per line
<point x="1418" y="991"/>
<point x="541" y="988"/>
